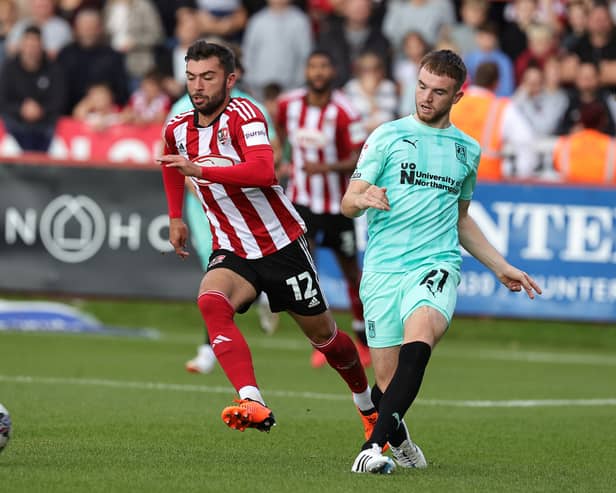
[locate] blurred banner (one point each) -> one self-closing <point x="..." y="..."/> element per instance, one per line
<point x="89" y="231"/>
<point x="100" y="231"/>
<point x="78" y="141"/>
<point x="119" y="143"/>
<point x="564" y="237"/>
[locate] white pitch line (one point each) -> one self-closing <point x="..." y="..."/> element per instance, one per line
<point x="98" y="382"/>
<point x="546" y="357"/>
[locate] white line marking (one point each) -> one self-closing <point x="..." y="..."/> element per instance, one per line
<point x="545" y="357"/>
<point x="98" y="382"/>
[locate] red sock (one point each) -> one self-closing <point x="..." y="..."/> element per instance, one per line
<point x="357" y="308"/>
<point x="341" y="354"/>
<point x="228" y="343"/>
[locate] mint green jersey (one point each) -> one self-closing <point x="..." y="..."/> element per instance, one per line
<point x="426" y="171"/>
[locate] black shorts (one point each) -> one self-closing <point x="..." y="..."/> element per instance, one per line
<point x="288" y="277"/>
<point x="333" y="231"/>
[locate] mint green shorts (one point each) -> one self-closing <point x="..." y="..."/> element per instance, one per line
<point x="390" y="298"/>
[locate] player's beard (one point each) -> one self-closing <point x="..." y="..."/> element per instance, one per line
<point x="322" y="88"/>
<point x="212" y="103"/>
<point x="437" y="116"/>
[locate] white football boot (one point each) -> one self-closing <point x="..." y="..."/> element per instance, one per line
<point x="373" y="461"/>
<point x="408" y="454"/>
<point x="204" y="362"/>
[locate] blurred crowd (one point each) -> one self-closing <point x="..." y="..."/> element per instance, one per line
<point x="539" y="98"/>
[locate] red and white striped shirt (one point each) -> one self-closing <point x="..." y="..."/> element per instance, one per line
<point x="250" y="220"/>
<point x="320" y="135"/>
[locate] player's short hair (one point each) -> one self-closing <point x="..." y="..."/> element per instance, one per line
<point x="202" y="50"/>
<point x="445" y="62"/>
<point x="323" y="53"/>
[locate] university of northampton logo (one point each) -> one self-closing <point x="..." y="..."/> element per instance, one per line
<point x="461" y="153"/>
<point x="223" y="136"/>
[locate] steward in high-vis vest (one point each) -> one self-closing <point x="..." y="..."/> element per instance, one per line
<point x="501" y="130"/>
<point x="587" y="156"/>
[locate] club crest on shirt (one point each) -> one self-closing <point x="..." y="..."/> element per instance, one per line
<point x="223" y="136"/>
<point x="461" y="153"/>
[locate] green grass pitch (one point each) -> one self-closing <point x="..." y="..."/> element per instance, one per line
<point x="506" y="406"/>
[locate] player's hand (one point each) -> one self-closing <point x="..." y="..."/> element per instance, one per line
<point x="312" y="168"/>
<point x="178" y="235"/>
<point x="183" y="165"/>
<point x="515" y="280"/>
<point x="375" y="197"/>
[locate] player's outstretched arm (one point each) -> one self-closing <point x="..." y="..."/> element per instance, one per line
<point x="361" y="195"/>
<point x="475" y="242"/>
<point x="256" y="171"/>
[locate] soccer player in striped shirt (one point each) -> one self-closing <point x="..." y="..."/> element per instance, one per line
<point x="325" y="134"/>
<point x="257" y="236"/>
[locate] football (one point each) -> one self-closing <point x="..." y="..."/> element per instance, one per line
<point x="5" y="427"/>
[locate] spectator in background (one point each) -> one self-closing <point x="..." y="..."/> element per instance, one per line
<point x="489" y="51"/>
<point x="89" y="59"/>
<point x="32" y="93"/>
<point x="587" y="90"/>
<point x="598" y="46"/>
<point x="55" y="31"/>
<point x="406" y="69"/>
<point x="473" y="14"/>
<point x="135" y="29"/>
<point x="223" y="18"/>
<point x="587" y="156"/>
<point x="8" y="18"/>
<point x="371" y="93"/>
<point x="541" y="106"/>
<point x="168" y="11"/>
<point x="542" y="102"/>
<point x="541" y="47"/>
<point x="427" y="17"/>
<point x="576" y="25"/>
<point x="513" y="38"/>
<point x="347" y="36"/>
<point x="149" y="103"/>
<point x="98" y="109"/>
<point x="170" y="60"/>
<point x="504" y="134"/>
<point x="68" y="9"/>
<point x="276" y="45"/>
<point x="271" y="92"/>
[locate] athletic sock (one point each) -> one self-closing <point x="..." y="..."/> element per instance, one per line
<point x="401" y="393"/>
<point x="341" y="354"/>
<point x="228" y="343"/>
<point x="363" y="402"/>
<point x="376" y="396"/>
<point x="252" y="393"/>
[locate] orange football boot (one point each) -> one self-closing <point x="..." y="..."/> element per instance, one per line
<point x="248" y="414"/>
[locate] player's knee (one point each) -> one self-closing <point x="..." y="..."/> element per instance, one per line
<point x="215" y="308"/>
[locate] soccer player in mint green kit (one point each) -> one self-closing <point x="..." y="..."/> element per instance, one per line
<point x="415" y="177"/>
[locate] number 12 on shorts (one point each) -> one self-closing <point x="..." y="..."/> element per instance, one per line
<point x="296" y="283"/>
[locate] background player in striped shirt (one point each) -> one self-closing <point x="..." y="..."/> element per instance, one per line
<point x="257" y="235"/>
<point x="325" y="134"/>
